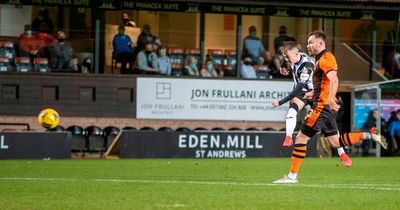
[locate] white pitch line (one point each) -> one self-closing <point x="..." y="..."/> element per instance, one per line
<point x="383" y="186"/>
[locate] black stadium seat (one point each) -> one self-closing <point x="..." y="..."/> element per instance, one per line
<point x="129" y="128"/>
<point x="183" y="129"/>
<point x="269" y="129"/>
<point x="200" y="129"/>
<point x="59" y="128"/>
<point x="94" y="136"/>
<point x="252" y="129"/>
<point x="166" y="129"/>
<point x="218" y="129"/>
<point x="78" y="139"/>
<point x="109" y="133"/>
<point x="235" y="129"/>
<point x="147" y="128"/>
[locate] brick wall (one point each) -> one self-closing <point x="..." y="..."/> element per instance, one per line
<point x="139" y="123"/>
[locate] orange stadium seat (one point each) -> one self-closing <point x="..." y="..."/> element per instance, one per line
<point x="230" y="63"/>
<point x="41" y="65"/>
<point x="177" y="56"/>
<point x="23" y="64"/>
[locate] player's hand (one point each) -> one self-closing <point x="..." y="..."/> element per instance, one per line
<point x="275" y="103"/>
<point x="334" y="106"/>
<point x="284" y="71"/>
<point x="309" y="95"/>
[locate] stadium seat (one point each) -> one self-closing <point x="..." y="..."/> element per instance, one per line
<point x="235" y="129"/>
<point x="196" y="53"/>
<point x="95" y="139"/>
<point x="147" y="128"/>
<point x="230" y="65"/>
<point x="218" y="129"/>
<point x="78" y="139"/>
<point x="41" y="65"/>
<point x="262" y="71"/>
<point x="200" y="129"/>
<point x="5" y="65"/>
<point x="23" y="64"/>
<point x="129" y="128"/>
<point x="177" y="56"/>
<point x="166" y="129"/>
<point x="269" y="129"/>
<point x="282" y="129"/>
<point x="110" y="132"/>
<point x="58" y="129"/>
<point x="252" y="129"/>
<point x="7" y="50"/>
<point x="183" y="129"/>
<point x="218" y="58"/>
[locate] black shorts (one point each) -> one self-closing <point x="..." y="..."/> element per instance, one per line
<point x="301" y="97"/>
<point x="322" y="119"/>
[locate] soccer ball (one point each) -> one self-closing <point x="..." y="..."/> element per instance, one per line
<point x="49" y="118"/>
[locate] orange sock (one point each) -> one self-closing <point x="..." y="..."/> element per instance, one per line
<point x="348" y="139"/>
<point x="298" y="154"/>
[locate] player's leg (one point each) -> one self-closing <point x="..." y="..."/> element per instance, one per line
<point x="291" y="120"/>
<point x="330" y="131"/>
<point x="348" y="139"/>
<point x="308" y="129"/>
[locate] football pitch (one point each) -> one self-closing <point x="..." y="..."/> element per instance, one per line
<point x="371" y="183"/>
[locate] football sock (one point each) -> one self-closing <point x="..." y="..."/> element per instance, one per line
<point x="348" y="139"/>
<point x="298" y="154"/>
<point x="340" y="150"/>
<point x="291" y="120"/>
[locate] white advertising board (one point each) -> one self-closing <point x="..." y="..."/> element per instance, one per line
<point x="210" y="99"/>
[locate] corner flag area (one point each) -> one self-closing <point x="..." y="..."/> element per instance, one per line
<point x="371" y="183"/>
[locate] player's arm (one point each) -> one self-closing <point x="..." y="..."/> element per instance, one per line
<point x="333" y="87"/>
<point x="305" y="76"/>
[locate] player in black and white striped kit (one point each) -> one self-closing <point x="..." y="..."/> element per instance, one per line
<point x="302" y="68"/>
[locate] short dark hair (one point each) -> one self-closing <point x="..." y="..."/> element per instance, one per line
<point x="252" y="28"/>
<point x="318" y="34"/>
<point x="288" y="46"/>
<point x="282" y="30"/>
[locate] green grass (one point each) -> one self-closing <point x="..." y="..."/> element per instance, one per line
<point x="370" y="183"/>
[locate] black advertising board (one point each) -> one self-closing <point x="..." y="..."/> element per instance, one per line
<point x="35" y="145"/>
<point x="296" y="10"/>
<point x="150" y="144"/>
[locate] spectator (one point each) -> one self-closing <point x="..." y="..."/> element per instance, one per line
<point x="209" y="70"/>
<point x="281" y="39"/>
<point x="61" y="53"/>
<point x="247" y="71"/>
<point x="394" y="131"/>
<point x="45" y="40"/>
<point x="125" y="20"/>
<point x="123" y="50"/>
<point x="42" y="23"/>
<point x="191" y="66"/>
<point x="147" y="60"/>
<point x="163" y="61"/>
<point x="145" y="37"/>
<point x="252" y="45"/>
<point x="370" y="123"/>
<point x="362" y="36"/>
<point x="27" y="43"/>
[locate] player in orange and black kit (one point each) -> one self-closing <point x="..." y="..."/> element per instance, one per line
<point x="322" y="116"/>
